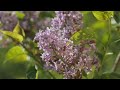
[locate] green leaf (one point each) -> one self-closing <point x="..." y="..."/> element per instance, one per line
<point x="100" y="56"/>
<point x="76" y="37"/>
<point x="17" y="54"/>
<point x="84" y="75"/>
<point x="19" y="30"/>
<point x="103" y="15"/>
<point x="56" y="75"/>
<point x="110" y="75"/>
<point x="118" y="40"/>
<point x="117" y="16"/>
<point x="115" y="75"/>
<point x="116" y="64"/>
<point x="46" y="14"/>
<point x="31" y="72"/>
<point x="2" y="53"/>
<point x="91" y="74"/>
<point x="20" y="15"/>
<point x="13" y="35"/>
<point x="42" y="74"/>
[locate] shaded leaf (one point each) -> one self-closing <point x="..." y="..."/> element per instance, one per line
<point x="31" y="72"/>
<point x="100" y="56"/>
<point x="84" y="75"/>
<point x="117" y="16"/>
<point x="56" y="75"/>
<point x="110" y="75"/>
<point x="46" y="14"/>
<point x="116" y="63"/>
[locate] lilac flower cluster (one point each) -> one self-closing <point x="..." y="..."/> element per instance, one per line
<point x="67" y="21"/>
<point x="7" y="20"/>
<point x="60" y="54"/>
<point x="31" y="21"/>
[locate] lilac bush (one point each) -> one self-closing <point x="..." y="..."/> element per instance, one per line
<point x="60" y="53"/>
<point x="70" y="44"/>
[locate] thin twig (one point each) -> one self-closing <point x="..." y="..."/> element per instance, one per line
<point x="116" y="63"/>
<point x="106" y="47"/>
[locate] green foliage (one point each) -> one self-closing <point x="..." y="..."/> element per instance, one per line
<point x="110" y="75"/>
<point x="43" y="74"/>
<point x="117" y="16"/>
<point x="56" y="75"/>
<point x="2" y="53"/>
<point x="31" y="72"/>
<point x="11" y="70"/>
<point x="47" y="14"/>
<point x="13" y="35"/>
<point x="91" y="74"/>
<point x="82" y="35"/>
<point x="77" y="37"/>
<point x="103" y="15"/>
<point x="20" y="15"/>
<point x="19" y="30"/>
<point x="84" y="75"/>
<point x="17" y="54"/>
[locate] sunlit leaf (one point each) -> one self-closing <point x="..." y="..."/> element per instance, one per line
<point x="19" y="30"/>
<point x="103" y="15"/>
<point x="17" y="54"/>
<point x="13" y="35"/>
<point x="20" y="15"/>
<point x="76" y="37"/>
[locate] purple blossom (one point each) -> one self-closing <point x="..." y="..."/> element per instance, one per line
<point x="68" y="22"/>
<point x="8" y="20"/>
<point x="60" y="54"/>
<point x="31" y="21"/>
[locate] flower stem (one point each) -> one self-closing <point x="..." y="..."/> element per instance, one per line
<point x="109" y="36"/>
<point x="108" y="42"/>
<point x="116" y="63"/>
<point x="37" y="75"/>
